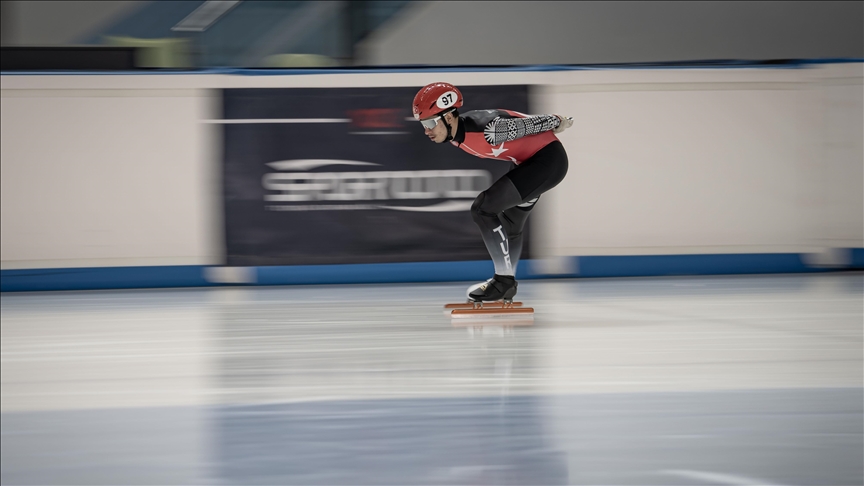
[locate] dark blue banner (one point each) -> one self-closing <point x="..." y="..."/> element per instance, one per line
<point x="346" y="175"/>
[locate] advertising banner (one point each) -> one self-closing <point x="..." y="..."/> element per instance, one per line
<point x="346" y="175"/>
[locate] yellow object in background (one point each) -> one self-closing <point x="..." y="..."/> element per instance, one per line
<point x="156" y="53"/>
<point x="298" y="60"/>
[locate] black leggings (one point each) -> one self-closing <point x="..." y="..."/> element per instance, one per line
<point x="502" y="210"/>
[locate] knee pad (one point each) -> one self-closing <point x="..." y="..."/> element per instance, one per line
<point x="477" y="209"/>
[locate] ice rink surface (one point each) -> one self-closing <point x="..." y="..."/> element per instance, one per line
<point x="732" y="380"/>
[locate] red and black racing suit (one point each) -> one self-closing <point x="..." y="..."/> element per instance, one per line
<point x="539" y="163"/>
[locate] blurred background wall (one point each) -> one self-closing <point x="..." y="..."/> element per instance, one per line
<point x="616" y="32"/>
<point x="102" y="170"/>
<point x="368" y="32"/>
<point x="52" y="23"/>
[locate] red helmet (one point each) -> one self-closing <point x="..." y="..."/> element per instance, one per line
<point x="434" y="99"/>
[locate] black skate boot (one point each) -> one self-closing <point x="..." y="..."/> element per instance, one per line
<point x="476" y="286"/>
<point x="500" y="287"/>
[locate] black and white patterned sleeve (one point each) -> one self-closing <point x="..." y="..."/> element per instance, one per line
<point x="502" y="130"/>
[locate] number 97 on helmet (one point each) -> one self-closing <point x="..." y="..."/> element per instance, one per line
<point x="434" y="99"/>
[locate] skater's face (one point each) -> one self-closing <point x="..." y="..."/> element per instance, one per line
<point x="438" y="133"/>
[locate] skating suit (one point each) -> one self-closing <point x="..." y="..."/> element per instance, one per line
<point x="539" y="163"/>
<point x="504" y="134"/>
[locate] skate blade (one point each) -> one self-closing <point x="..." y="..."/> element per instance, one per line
<point x="486" y="305"/>
<point x="500" y="312"/>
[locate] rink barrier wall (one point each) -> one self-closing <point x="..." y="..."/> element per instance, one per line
<point x="189" y="225"/>
<point x="111" y="278"/>
<point x="236" y="71"/>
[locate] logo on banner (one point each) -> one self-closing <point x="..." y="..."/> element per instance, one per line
<point x="298" y="189"/>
